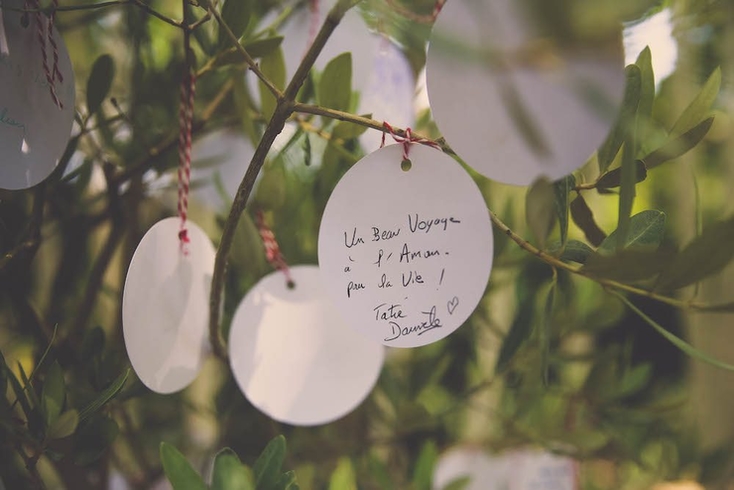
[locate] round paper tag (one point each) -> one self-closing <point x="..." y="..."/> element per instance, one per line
<point x="406" y="255"/>
<point x="165" y="306"/>
<point x="292" y="355"/>
<point x="538" y="469"/>
<point x="33" y="130"/>
<point x="513" y="105"/>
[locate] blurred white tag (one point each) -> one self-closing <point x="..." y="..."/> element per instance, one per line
<point x="511" y="104"/>
<point x="538" y="470"/>
<point x="472" y="463"/>
<point x="33" y="131"/>
<point x="292" y="355"/>
<point x="165" y="306"/>
<point x="406" y="255"/>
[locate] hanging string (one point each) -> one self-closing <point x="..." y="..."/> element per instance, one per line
<point x="186" y="116"/>
<point x="272" y="250"/>
<point x="44" y="31"/>
<point x="406" y="140"/>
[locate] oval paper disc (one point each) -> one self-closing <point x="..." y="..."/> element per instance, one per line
<point x="512" y="105"/>
<point x="33" y="130"/>
<point x="292" y="355"/>
<point x="165" y="306"/>
<point x="406" y="255"/>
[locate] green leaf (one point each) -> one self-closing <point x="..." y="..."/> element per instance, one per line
<point x="287" y="481"/>
<point x="423" y="472"/>
<point x="626" y="117"/>
<point x="106" y="395"/>
<point x="236" y="14"/>
<point x="460" y="483"/>
<point x="678" y="342"/>
<point x="343" y="477"/>
<point x="93" y="438"/>
<point x="178" y="470"/>
<point x="519" y="331"/>
<point x="64" y="425"/>
<point x="99" y="82"/>
<point x="705" y="255"/>
<point x="267" y="466"/>
<point x="699" y="108"/>
<point x="677" y="146"/>
<point x="628" y="265"/>
<point x="562" y="190"/>
<point x="633" y="380"/>
<point x="229" y="473"/>
<point x="335" y="85"/>
<point x="540" y="209"/>
<point x="613" y="178"/>
<point x="584" y="219"/>
<point x="257" y="48"/>
<point x="346" y="130"/>
<point x="574" y="251"/>
<point x="647" y="229"/>
<point x="647" y="84"/>
<point x="627" y="191"/>
<point x="544" y="329"/>
<point x="53" y="394"/>
<point x="273" y="67"/>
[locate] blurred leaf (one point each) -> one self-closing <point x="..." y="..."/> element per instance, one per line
<point x="628" y="265"/>
<point x="540" y="209"/>
<point x="647" y="84"/>
<point x="627" y="191"/>
<point x="677" y="146"/>
<point x="707" y="254"/>
<point x="178" y="470"/>
<point x="562" y="189"/>
<point x="287" y="481"/>
<point x="229" y="473"/>
<point x="99" y="82"/>
<point x="584" y="219"/>
<point x="460" y="483"/>
<point x="380" y="473"/>
<point x="257" y="48"/>
<point x="106" y="395"/>
<point x="93" y="438"/>
<point x="647" y="229"/>
<point x="28" y="387"/>
<point x="574" y="251"/>
<point x="678" y="342"/>
<point x="267" y="467"/>
<point x="343" y="477"/>
<point x="423" y="472"/>
<point x="544" y="329"/>
<point x="634" y="380"/>
<point x="64" y="425"/>
<point x="53" y="394"/>
<point x="346" y="130"/>
<point x="273" y="67"/>
<point x="236" y="14"/>
<point x="270" y="193"/>
<point x="335" y="86"/>
<point x="613" y="178"/>
<point x="519" y="331"/>
<point x="523" y="121"/>
<point x="626" y="117"/>
<point x="699" y="108"/>
<point x="413" y="416"/>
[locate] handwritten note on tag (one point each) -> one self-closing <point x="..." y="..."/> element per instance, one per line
<point x="536" y="470"/>
<point x="165" y="306"/>
<point x="511" y="103"/>
<point x="406" y="255"/>
<point x="294" y="339"/>
<point x="33" y="130"/>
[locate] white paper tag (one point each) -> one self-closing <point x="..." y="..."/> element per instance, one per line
<point x="165" y="306"/>
<point x="33" y="130"/>
<point x="538" y="470"/>
<point x="538" y="111"/>
<point x="292" y="355"/>
<point x="406" y="255"/>
<point x="484" y="472"/>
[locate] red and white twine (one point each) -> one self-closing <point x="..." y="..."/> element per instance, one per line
<point x="272" y="250"/>
<point x="45" y="31"/>
<point x="406" y="140"/>
<point x="186" y="117"/>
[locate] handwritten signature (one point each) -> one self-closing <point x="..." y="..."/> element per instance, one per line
<point x="9" y="121"/>
<point x="427" y="325"/>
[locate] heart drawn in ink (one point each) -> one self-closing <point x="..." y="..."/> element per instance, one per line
<point x="452" y="304"/>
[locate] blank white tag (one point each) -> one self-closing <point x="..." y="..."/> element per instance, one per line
<point x="165" y="306"/>
<point x="540" y="111"/>
<point x="33" y="130"/>
<point x="406" y="255"/>
<point x="292" y="355"/>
